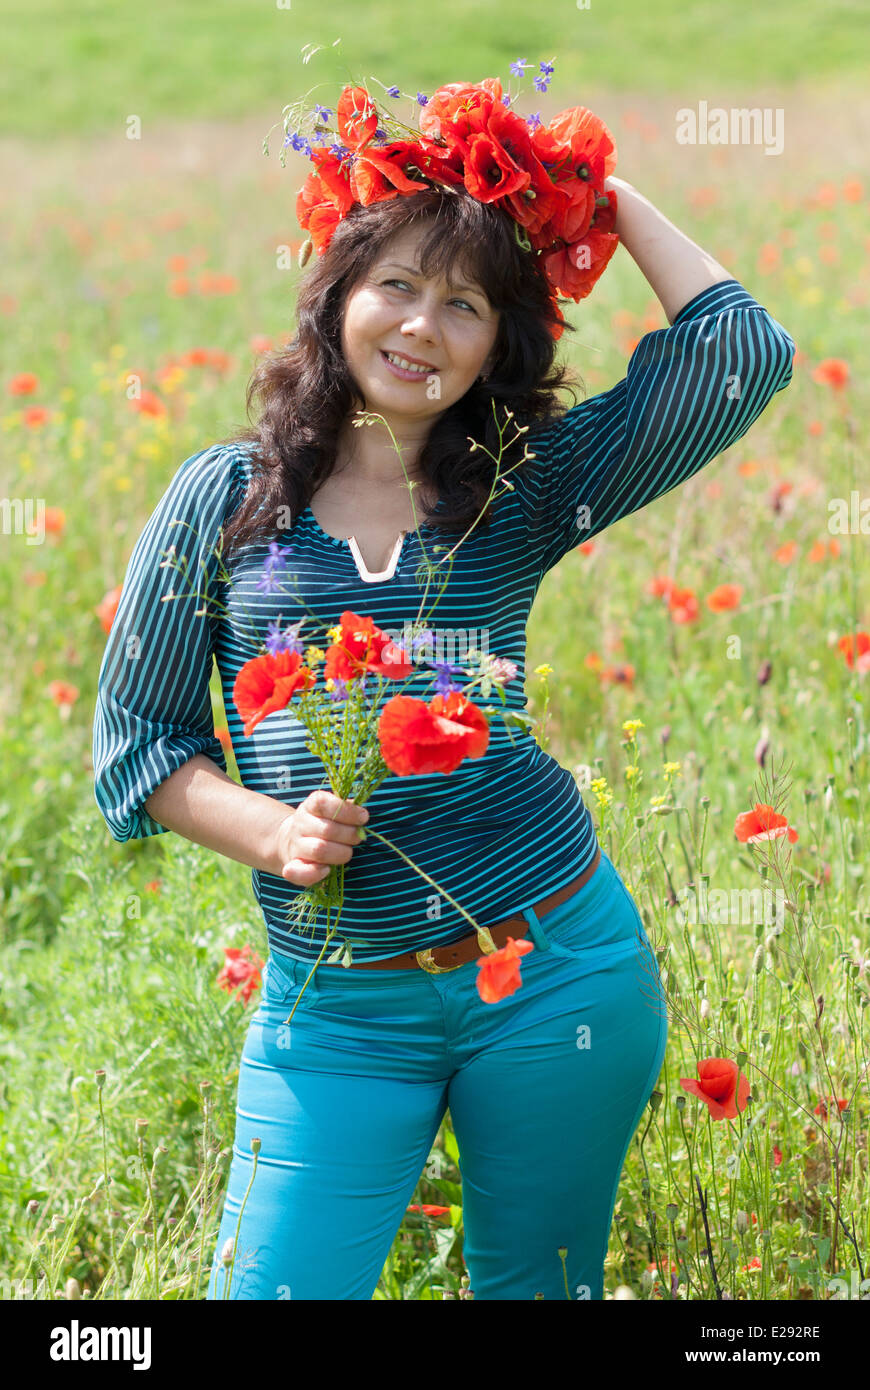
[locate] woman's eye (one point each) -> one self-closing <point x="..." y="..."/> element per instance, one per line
<point x="453" y="301"/>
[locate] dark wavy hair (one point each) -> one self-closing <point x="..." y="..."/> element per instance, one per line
<point x="306" y="391"/>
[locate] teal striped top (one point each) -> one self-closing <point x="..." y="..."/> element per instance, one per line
<point x="501" y="831"/>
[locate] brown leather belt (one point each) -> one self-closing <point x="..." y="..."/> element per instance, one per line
<point x="467" y="947"/>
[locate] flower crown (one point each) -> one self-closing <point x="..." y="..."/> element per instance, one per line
<point x="548" y="179"/>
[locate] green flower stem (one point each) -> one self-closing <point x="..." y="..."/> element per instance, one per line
<point x="239" y="1222"/>
<point x="109" y="1220"/>
<point x="487" y="945"/>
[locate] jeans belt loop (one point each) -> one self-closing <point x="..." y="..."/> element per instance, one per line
<point x="536" y="931"/>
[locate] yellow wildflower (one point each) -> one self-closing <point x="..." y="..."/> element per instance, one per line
<point x="313" y="655"/>
<point x="543" y="670"/>
<point x="631" y="726"/>
<point x="631" y="773"/>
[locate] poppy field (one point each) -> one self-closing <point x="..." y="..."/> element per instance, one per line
<point x="702" y="667"/>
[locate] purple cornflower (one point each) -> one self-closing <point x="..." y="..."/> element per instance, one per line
<point x="323" y="113"/>
<point x="547" y="69"/>
<point x="286" y="641"/>
<point x="444" y="681"/>
<point x="339" y="691"/>
<point x="393" y="92"/>
<point x="422" y="639"/>
<point x="421" y="100"/>
<point x="541" y="84"/>
<point x="275" y="561"/>
<point x="534" y="121"/>
<point x="519" y="66"/>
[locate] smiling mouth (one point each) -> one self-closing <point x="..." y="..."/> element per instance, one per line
<point x="408" y="372"/>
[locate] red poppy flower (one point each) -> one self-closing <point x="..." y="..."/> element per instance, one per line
<point x="332" y="181"/>
<point x="537" y="207"/>
<point x="417" y="739"/>
<point x="720" y="1086"/>
<point x="63" y="693"/>
<point x="822" y="1107"/>
<point x="724" y="597"/>
<point x="619" y="675"/>
<point x="489" y="171"/>
<point x="24" y="384"/>
<point x="574" y="269"/>
<point x="267" y="684"/>
<point x="660" y="586"/>
<point x="381" y="173"/>
<point x="763" y="823"/>
<point x="356" y="117"/>
<point x="777" y="1155"/>
<point x="833" y="371"/>
<point x="108" y="607"/>
<point x="428" y="1210"/>
<point x="498" y="974"/>
<point x="324" y="198"/>
<point x="149" y="403"/>
<point x="860" y="644"/>
<point x="240" y="972"/>
<point x="683" y="605"/>
<point x="363" y="647"/>
<point x="588" y="141"/>
<point x="54" y="520"/>
<point x="460" y="109"/>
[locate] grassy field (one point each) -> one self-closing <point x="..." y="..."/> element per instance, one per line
<point x="119" y="1052"/>
<point x="85" y="67"/>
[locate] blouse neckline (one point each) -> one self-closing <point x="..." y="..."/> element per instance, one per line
<point x="350" y="544"/>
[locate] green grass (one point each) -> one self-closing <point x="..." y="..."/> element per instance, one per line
<point x="85" y="68"/>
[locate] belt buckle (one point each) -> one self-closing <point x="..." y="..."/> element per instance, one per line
<point x="425" y="962"/>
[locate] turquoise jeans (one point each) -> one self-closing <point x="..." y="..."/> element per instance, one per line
<point x="545" y="1089"/>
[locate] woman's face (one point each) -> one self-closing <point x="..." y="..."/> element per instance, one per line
<point x="450" y="329"/>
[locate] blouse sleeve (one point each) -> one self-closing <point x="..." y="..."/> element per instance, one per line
<point x="153" y="709"/>
<point x="689" y="391"/>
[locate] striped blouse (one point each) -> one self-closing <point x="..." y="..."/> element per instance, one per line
<point x="501" y="831"/>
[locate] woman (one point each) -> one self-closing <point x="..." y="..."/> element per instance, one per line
<point x="547" y="1086"/>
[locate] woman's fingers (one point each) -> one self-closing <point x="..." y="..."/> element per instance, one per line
<point x="304" y="872"/>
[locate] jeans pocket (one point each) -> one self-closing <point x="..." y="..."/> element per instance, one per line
<point x="284" y="981"/>
<point x="610" y="926"/>
<point x="611" y="950"/>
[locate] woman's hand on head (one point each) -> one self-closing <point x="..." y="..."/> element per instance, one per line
<point x="322" y="831"/>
